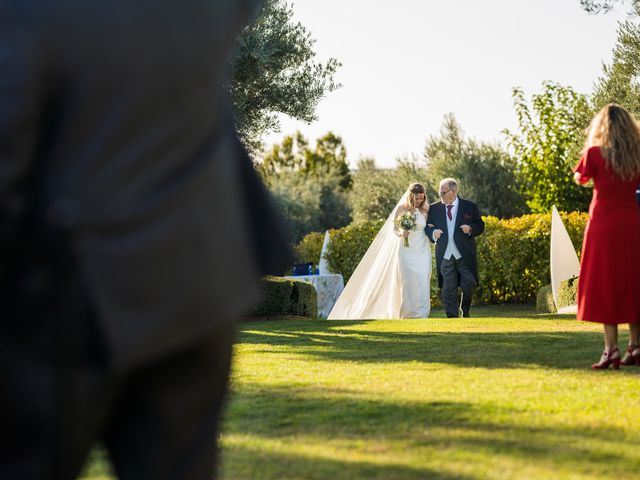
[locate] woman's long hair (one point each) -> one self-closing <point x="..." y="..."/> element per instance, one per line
<point x="414" y="189"/>
<point x="617" y="133"/>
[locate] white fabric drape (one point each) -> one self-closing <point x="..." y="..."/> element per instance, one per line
<point x="564" y="260"/>
<point x="323" y="266"/>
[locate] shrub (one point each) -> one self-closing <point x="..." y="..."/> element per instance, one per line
<point x="349" y="244"/>
<point x="310" y="205"/>
<point x="513" y="254"/>
<point x="566" y="296"/>
<point x="309" y="248"/>
<point x="544" y="300"/>
<point x="303" y="301"/>
<point x="285" y="296"/>
<point x="567" y="292"/>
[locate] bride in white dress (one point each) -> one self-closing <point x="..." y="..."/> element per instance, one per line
<point x="392" y="281"/>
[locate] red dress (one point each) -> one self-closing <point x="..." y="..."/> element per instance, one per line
<point x="609" y="283"/>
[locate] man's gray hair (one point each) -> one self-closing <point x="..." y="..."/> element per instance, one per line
<point x="452" y="183"/>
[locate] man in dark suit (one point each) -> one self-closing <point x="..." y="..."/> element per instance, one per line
<point x="133" y="231"/>
<point x="453" y="224"/>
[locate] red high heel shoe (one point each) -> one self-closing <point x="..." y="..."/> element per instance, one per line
<point x="608" y="358"/>
<point x="631" y="356"/>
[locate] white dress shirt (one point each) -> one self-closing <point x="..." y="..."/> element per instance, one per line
<point x="451" y="228"/>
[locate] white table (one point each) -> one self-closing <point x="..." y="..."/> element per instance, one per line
<point x="328" y="286"/>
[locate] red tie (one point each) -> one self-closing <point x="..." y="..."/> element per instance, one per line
<point x="449" y="207"/>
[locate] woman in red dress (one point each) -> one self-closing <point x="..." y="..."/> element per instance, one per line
<point x="609" y="283"/>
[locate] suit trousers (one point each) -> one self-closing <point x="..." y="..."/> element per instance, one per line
<point x="60" y="397"/>
<point x="456" y="273"/>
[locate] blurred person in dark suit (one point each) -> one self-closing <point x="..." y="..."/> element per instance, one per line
<point x="133" y="230"/>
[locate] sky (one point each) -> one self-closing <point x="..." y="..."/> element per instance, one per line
<point x="406" y="63"/>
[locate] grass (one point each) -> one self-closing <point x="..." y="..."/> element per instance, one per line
<point x="507" y="394"/>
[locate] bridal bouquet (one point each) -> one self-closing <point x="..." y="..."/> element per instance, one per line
<point x="407" y="222"/>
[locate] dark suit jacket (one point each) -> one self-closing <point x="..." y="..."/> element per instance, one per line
<point x="468" y="214"/>
<point x="116" y="143"/>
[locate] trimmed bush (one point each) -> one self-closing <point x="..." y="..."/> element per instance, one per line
<point x="513" y="254"/>
<point x="349" y="244"/>
<point x="566" y="296"/>
<point x="544" y="300"/>
<point x="309" y="248"/>
<point x="285" y="296"/>
<point x="303" y="300"/>
<point x="567" y="292"/>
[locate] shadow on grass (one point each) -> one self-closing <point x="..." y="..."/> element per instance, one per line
<point x="559" y="350"/>
<point x="464" y="430"/>
<point x="507" y="311"/>
<point x="240" y="463"/>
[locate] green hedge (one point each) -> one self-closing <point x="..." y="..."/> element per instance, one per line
<point x="349" y="244"/>
<point x="309" y="248"/>
<point x="567" y="292"/>
<point x="513" y="254"/>
<point x="285" y="296"/>
<point x="544" y="300"/>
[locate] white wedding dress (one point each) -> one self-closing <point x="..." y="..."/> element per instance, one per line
<point x="414" y="263"/>
<point x="391" y="281"/>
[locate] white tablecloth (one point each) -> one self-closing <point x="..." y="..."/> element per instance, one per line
<point x="329" y="287"/>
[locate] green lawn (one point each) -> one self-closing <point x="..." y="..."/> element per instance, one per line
<point x="505" y="395"/>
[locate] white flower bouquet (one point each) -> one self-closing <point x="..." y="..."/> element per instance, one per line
<point x="407" y="222"/>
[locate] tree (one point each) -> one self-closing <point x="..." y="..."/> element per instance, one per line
<point x="311" y="185"/>
<point x="599" y="6"/>
<point x="313" y="206"/>
<point x="329" y="158"/>
<point x="293" y="155"/>
<point x="619" y="82"/>
<point x="377" y="191"/>
<point x="548" y="146"/>
<point x="595" y="6"/>
<point x="273" y="71"/>
<point x="286" y="157"/>
<point x="485" y="171"/>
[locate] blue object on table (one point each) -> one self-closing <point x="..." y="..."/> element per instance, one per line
<point x="300" y="269"/>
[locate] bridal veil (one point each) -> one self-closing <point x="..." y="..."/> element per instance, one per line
<point x="374" y="289"/>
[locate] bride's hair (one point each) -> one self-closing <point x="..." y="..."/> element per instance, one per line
<point x="616" y="132"/>
<point x="414" y="189"/>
